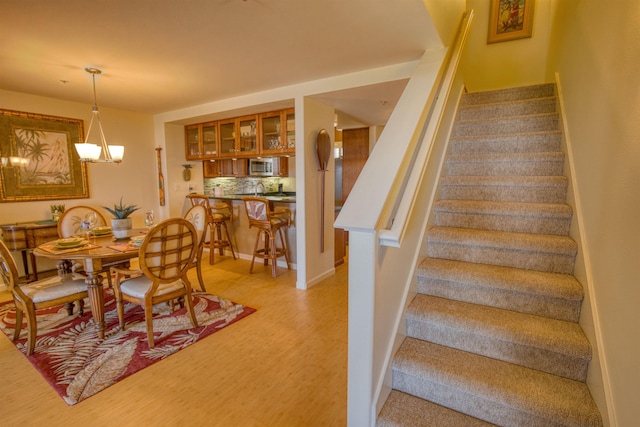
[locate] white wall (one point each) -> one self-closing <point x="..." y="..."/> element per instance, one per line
<point x="594" y="51"/>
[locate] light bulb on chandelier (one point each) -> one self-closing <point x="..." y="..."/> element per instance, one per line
<point x="89" y="152"/>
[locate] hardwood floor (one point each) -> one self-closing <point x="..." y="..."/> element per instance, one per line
<point x="284" y="365"/>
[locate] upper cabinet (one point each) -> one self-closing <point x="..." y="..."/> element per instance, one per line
<point x="210" y="140"/>
<point x="201" y="141"/>
<point x="278" y="132"/>
<point x="248" y="141"/>
<point x="290" y="130"/>
<point x="270" y="133"/>
<point x="238" y="137"/>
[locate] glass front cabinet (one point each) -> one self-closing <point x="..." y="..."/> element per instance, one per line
<point x="269" y="134"/>
<point x="238" y="137"/>
<point x="201" y="141"/>
<point x="277" y="132"/>
<point x="209" y="140"/>
<point x="227" y="137"/>
<point x="192" y="142"/>
<point x="290" y="130"/>
<point x="248" y="141"/>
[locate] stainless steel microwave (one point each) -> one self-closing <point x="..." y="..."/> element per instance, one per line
<point x="261" y="167"/>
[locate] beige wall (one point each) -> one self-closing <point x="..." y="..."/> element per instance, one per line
<point x="507" y="64"/>
<point x="133" y="178"/>
<point x="446" y="17"/>
<point x="314" y="265"/>
<point x="594" y="50"/>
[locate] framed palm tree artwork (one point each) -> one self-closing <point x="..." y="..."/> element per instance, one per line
<point x="39" y="160"/>
<point x="510" y="20"/>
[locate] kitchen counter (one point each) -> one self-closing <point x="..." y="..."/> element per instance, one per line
<point x="287" y="197"/>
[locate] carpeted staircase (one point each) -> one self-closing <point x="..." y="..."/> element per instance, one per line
<point x="492" y="336"/>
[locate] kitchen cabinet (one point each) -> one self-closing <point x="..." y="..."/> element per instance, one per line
<point x="235" y="168"/>
<point x="290" y="130"/>
<point x="281" y="166"/>
<point x="211" y="168"/>
<point x="277" y="132"/>
<point x="266" y="134"/>
<point x="239" y="137"/>
<point x="201" y="141"/>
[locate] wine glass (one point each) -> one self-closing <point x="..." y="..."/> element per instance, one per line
<point x="89" y="223"/>
<point x="148" y="219"/>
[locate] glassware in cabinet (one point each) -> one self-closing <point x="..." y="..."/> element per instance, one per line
<point x="228" y="146"/>
<point x="290" y="133"/>
<point x="209" y="140"/>
<point x="271" y="132"/>
<point x="248" y="135"/>
<point x="192" y="142"/>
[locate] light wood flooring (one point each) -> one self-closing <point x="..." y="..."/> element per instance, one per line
<point x="284" y="365"/>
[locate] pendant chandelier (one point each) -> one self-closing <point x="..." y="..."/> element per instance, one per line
<point x="95" y="153"/>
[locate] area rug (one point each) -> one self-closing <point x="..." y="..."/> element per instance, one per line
<point x="71" y="358"/>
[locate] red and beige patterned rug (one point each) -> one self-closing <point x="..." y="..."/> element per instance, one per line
<point x="69" y="355"/>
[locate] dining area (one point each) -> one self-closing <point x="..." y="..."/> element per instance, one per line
<point x="144" y="266"/>
<point x="111" y="296"/>
<point x="91" y="260"/>
<point x="93" y="331"/>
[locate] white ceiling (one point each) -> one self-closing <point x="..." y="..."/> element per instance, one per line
<point x="162" y="55"/>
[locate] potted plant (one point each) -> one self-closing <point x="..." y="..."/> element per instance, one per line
<point x="121" y="224"/>
<point x="56" y="212"/>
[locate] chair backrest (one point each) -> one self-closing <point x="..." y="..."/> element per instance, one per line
<point x="197" y="216"/>
<point x="70" y="223"/>
<point x="168" y="249"/>
<point x="199" y="199"/>
<point x="8" y="269"/>
<point x="257" y="209"/>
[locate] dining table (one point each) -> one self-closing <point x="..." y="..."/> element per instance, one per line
<point x="94" y="251"/>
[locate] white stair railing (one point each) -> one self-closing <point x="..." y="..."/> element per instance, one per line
<point x="386" y="214"/>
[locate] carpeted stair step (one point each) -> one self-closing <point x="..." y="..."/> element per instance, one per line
<point x="543" y="252"/>
<point x="510" y="94"/>
<point x="542" y="218"/>
<point x="525" y="164"/>
<point x="553" y="295"/>
<point x="405" y="410"/>
<point x="526" y="189"/>
<point x="511" y="108"/>
<point x="531" y="142"/>
<point x="507" y="125"/>
<point x="492" y="390"/>
<point x="549" y="345"/>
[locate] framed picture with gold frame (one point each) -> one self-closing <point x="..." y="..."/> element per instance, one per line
<point x="51" y="168"/>
<point x="510" y="20"/>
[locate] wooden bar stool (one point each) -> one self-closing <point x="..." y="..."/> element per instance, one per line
<point x="217" y="217"/>
<point x="269" y="224"/>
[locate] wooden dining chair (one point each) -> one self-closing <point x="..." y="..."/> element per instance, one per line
<point x="197" y="216"/>
<point x="70" y="224"/>
<point x="218" y="215"/>
<point x="166" y="254"/>
<point x="270" y="224"/>
<point x="43" y="293"/>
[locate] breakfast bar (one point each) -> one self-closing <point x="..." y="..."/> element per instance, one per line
<point x="243" y="237"/>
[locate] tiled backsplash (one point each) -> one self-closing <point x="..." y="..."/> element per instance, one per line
<point x="247" y="185"/>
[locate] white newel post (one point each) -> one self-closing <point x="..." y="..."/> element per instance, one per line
<point x="362" y="269"/>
